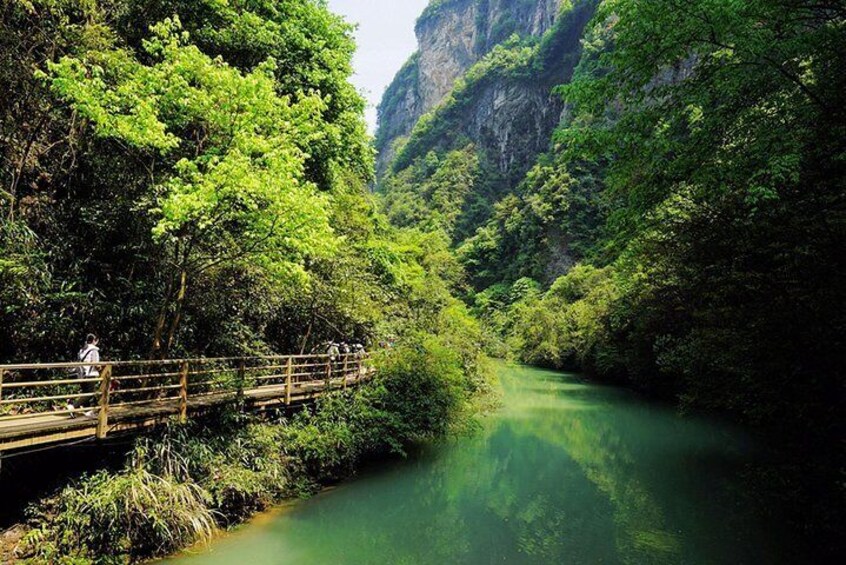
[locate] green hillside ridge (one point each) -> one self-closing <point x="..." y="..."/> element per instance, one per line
<point x="682" y="232"/>
<point x="533" y="64"/>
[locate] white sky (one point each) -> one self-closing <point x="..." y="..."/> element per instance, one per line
<point x="385" y="40"/>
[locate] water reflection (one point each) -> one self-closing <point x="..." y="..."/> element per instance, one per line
<point x="564" y="473"/>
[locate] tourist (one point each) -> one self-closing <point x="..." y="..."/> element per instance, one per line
<point x="333" y="351"/>
<point x="90" y="353"/>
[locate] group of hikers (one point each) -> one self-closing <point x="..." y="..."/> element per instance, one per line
<point x="90" y="356"/>
<point x="335" y="350"/>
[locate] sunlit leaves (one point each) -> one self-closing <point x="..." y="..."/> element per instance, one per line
<point x="128" y="112"/>
<point x="241" y="190"/>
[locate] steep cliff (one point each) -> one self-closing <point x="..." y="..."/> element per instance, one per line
<point x="452" y="35"/>
<point x="444" y="111"/>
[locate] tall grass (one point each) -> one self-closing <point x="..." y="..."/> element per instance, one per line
<point x="108" y="517"/>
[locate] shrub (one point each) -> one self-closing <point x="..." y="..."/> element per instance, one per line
<point x="425" y="387"/>
<point x="242" y="468"/>
<point x="180" y="485"/>
<point x="106" y="517"/>
<point x="236" y="492"/>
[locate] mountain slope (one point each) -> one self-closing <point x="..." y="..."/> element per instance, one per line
<point x="499" y="114"/>
<point x="453" y="35"/>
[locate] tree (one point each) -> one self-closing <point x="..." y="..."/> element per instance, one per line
<point x="234" y="189"/>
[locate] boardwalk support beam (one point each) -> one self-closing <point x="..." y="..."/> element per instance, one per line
<point x="242" y="381"/>
<point x="183" y="393"/>
<point x="103" y="413"/>
<point x="328" y="385"/>
<point x="288" y="372"/>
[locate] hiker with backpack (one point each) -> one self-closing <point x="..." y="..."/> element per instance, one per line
<point x="90" y="353"/>
<point x="333" y="350"/>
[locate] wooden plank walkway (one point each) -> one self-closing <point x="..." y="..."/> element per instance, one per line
<point x="303" y="379"/>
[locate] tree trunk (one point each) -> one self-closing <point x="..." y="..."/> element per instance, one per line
<point x="177" y="316"/>
<point x="161" y="321"/>
<point x="307" y="334"/>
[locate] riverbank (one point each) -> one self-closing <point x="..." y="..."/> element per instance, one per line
<point x="185" y="484"/>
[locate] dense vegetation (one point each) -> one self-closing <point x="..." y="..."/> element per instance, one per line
<point x="178" y="488"/>
<point x="190" y="178"/>
<point x="693" y="199"/>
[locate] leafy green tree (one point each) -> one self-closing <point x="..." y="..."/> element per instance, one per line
<point x="312" y="48"/>
<point x="196" y="175"/>
<point x="236" y="190"/>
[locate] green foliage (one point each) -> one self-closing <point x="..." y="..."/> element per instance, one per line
<point x="716" y="164"/>
<point x="179" y="487"/>
<point x="312" y="48"/>
<point x="28" y="289"/>
<point x="554" y="219"/>
<point x="568" y="326"/>
<point x="424" y="383"/>
<point x="247" y="171"/>
<point x="424" y="389"/>
<point x="134" y="512"/>
<point x="239" y="466"/>
<point x="433" y="193"/>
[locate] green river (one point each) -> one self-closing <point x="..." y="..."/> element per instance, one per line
<point x="564" y="472"/>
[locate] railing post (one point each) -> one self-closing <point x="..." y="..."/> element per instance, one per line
<point x="328" y="386"/>
<point x="345" y="372"/>
<point x="242" y="378"/>
<point x="288" y="372"/>
<point x="103" y="414"/>
<point x="2" y="372"/>
<point x="183" y="393"/>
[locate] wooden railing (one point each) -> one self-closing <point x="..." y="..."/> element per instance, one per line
<point x="36" y="396"/>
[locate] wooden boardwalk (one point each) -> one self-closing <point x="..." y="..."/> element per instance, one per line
<point x="130" y="396"/>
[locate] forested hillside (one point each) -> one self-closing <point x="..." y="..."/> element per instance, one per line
<point x="678" y="227"/>
<point x="189" y="178"/>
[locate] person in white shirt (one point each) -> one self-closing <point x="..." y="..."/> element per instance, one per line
<point x="90" y="353"/>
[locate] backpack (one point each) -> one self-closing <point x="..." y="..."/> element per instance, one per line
<point x="80" y="371"/>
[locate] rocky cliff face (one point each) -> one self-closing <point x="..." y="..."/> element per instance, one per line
<point x="513" y="122"/>
<point x="470" y="115"/>
<point x="452" y="36"/>
<point x="447" y="49"/>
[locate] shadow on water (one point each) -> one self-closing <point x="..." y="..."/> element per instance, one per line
<point x="565" y="472"/>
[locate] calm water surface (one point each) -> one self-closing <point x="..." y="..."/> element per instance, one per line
<point x="563" y="473"/>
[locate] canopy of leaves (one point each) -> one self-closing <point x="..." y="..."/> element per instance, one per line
<point x="191" y="178"/>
